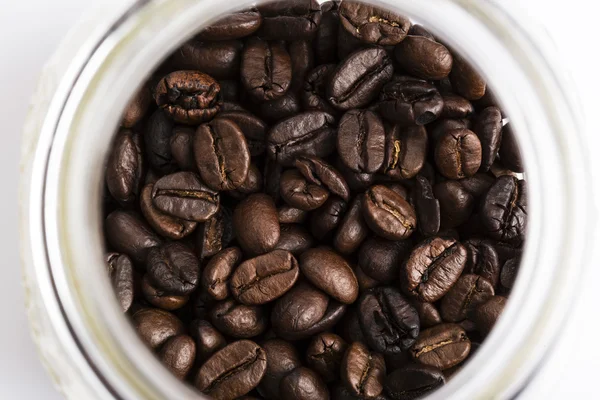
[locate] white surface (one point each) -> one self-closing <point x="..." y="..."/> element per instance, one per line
<point x="30" y="31"/>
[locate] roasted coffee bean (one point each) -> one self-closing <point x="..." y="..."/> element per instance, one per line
<point x="120" y="271"/>
<point x="254" y="130"/>
<point x="188" y="97"/>
<point x="208" y="339"/>
<point x="165" y="224"/>
<point x="264" y="278"/>
<point x="290" y="20"/>
<point x="272" y="178"/>
<point x="233" y="26"/>
<point x="510" y="154"/>
<point x="352" y="230"/>
<point x="482" y="259"/>
<point x="230" y="91"/>
<point x="137" y="107"/>
<point x="214" y="234"/>
<point x="362" y="371"/>
<point x="174" y="268"/>
<point x="324" y="354"/>
<point x="456" y="107"/>
<point x="365" y="282"/>
<point x="313" y="94"/>
<point x="282" y="359"/>
<point x="310" y="134"/>
<point x="408" y="101"/>
<point x="349" y="327"/>
<point x="178" y="355"/>
<point x="428" y="315"/>
<point x="324" y="220"/>
<point x="478" y="184"/>
<point x="256" y="224"/>
<point x="458" y="154"/>
<point x="488" y="127"/>
<point x="127" y="233"/>
<point x="220" y="60"/>
<point x="358" y="79"/>
<point x="509" y="273"/>
<point x="361" y="141"/>
<point x="442" y="346"/>
<point x="233" y="371"/>
<point x="424" y="57"/>
<point x="320" y="173"/>
<point x="302" y="57"/>
<point x="466" y="81"/>
<point x="125" y="167"/>
<point x="329" y="272"/>
<point x="295" y="239"/>
<point x="438" y="128"/>
<point x="419" y="30"/>
<point x="405" y="151"/>
<point x="427" y="207"/>
<point x="183" y="195"/>
<point x="216" y="274"/>
<point x="181" y="148"/>
<point x="388" y="214"/>
<point x="388" y="321"/>
<point x="303" y="384"/>
<point x="381" y="259"/>
<point x="463" y="298"/>
<point x="160" y="298"/>
<point x="413" y="382"/>
<point x="266" y="69"/>
<point x="291" y="215"/>
<point x="156" y="326"/>
<point x="456" y="203"/>
<point x="504" y="209"/>
<point x="433" y="267"/>
<point x="157" y="141"/>
<point x="297" y="191"/>
<point x="373" y="25"/>
<point x="325" y="41"/>
<point x="357" y="181"/>
<point x="281" y="108"/>
<point x="487" y="314"/>
<point x="238" y="320"/>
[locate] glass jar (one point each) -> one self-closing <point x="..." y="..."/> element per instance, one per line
<point x="87" y="344"/>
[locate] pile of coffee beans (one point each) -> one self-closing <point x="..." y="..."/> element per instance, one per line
<point x="314" y="201"/>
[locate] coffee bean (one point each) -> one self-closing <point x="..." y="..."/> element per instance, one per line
<point x="178" y="355"/>
<point x="266" y="70"/>
<point x="161" y="298"/>
<point x="349" y="327"/>
<point x="373" y="25"/>
<point x="282" y="359"/>
<point x="504" y="209"/>
<point x="358" y="79"/>
<point x="165" y="224"/>
<point x="463" y="298"/>
<point x="509" y="273"/>
<point x="314" y="89"/>
<point x="456" y="203"/>
<point x="361" y="141"/>
<point x="256" y="224"/>
<point x="381" y="259"/>
<point x="120" y="271"/>
<point x="466" y="81"/>
<point x="325" y="41"/>
<point x="510" y="154"/>
<point x="127" y="233"/>
<point x="388" y="321"/>
<point x="438" y="128"/>
<point x="233" y="371"/>
<point x="427" y="207"/>
<point x="157" y="141"/>
<point x="238" y="320"/>
<point x="208" y="339"/>
<point x="478" y="184"/>
<point x="137" y="107"/>
<point x="156" y="326"/>
<point x="324" y="220"/>
<point x="233" y="26"/>
<point x="424" y="57"/>
<point x="281" y="108"/>
<point x="488" y="127"/>
<point x="320" y="173"/>
<point x="433" y="267"/>
<point x="458" y="154"/>
<point x="408" y="101"/>
<point x="290" y="20"/>
<point x="291" y="215"/>
<point x="487" y="314"/>
<point x="365" y="282"/>
<point x="405" y="151"/>
<point x="456" y="107"/>
<point x="357" y="181"/>
<point x="388" y="214"/>
<point x="331" y="273"/>
<point x="216" y="274"/>
<point x="272" y="178"/>
<point x="428" y="314"/>
<point x="181" y="148"/>
<point x="442" y="346"/>
<point x="298" y="192"/>
<point x="352" y="230"/>
<point x="482" y="259"/>
<point x="174" y="268"/>
<point x="254" y="130"/>
<point x="264" y="278"/>
<point x="362" y="371"/>
<point x="295" y="239"/>
<point x="413" y="382"/>
<point x="220" y="60"/>
<point x="303" y="384"/>
<point x="302" y="57"/>
<point x="125" y="167"/>
<point x="324" y="355"/>
<point x="214" y="234"/>
<point x="188" y="97"/>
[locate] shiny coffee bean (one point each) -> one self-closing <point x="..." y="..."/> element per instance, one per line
<point x="482" y="259"/>
<point x="127" y="233"/>
<point x="164" y="224"/>
<point x="329" y="272"/>
<point x="413" y="382"/>
<point x="157" y="142"/>
<point x="303" y="384"/>
<point x="456" y="107"/>
<point x="120" y="271"/>
<point x="324" y="355"/>
<point x="487" y="314"/>
<point x="405" y="151"/>
<point x="419" y="30"/>
<point x="208" y="339"/>
<point x="456" y="203"/>
<point x="238" y="320"/>
<point x="362" y="371"/>
<point x="458" y="154"/>
<point x="313" y="95"/>
<point x="352" y="230"/>
<point x="504" y="209"/>
<point x="291" y="215"/>
<point x="290" y="20"/>
<point x="510" y="154"/>
<point x="214" y="234"/>
<point x="295" y="239"/>
<point x="488" y="127"/>
<point x="256" y="224"/>
<point x="361" y="141"/>
<point x="282" y="359"/>
<point x="427" y="207"/>
<point x="359" y="78"/>
<point x="321" y="173"/>
<point x="156" y="326"/>
<point x="438" y="128"/>
<point x="161" y="298"/>
<point x="220" y="60"/>
<point x="174" y="268"/>
<point x="408" y="101"/>
<point x="381" y="259"/>
<point x="125" y="167"/>
<point x="181" y="147"/>
<point x="218" y="271"/>
<point x="298" y="192"/>
<point x="463" y="298"/>
<point x="423" y="57"/>
<point x="433" y="267"/>
<point x="266" y="70"/>
<point x="233" y="371"/>
<point x="178" y="355"/>
<point x="233" y="26"/>
<point x="428" y="314"/>
<point x="373" y="25"/>
<point x="466" y="81"/>
<point x="137" y="107"/>
<point x="325" y="220"/>
<point x="254" y="130"/>
<point x="388" y="214"/>
<point x="442" y="346"/>
<point x="388" y="321"/>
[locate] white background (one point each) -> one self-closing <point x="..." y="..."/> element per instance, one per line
<point x="29" y="32"/>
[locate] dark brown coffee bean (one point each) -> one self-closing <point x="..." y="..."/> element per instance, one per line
<point x="349" y="327"/>
<point x="214" y="234"/>
<point x="424" y="57"/>
<point x="510" y="154"/>
<point x="478" y="184"/>
<point x="324" y="220"/>
<point x="221" y="59"/>
<point x="438" y="128"/>
<point x="174" y="268"/>
<point x="405" y="151"/>
<point x="254" y="130"/>
<point x="303" y="384"/>
<point x="264" y="278"/>
<point x="181" y="148"/>
<point x="281" y="108"/>
<point x="188" y="97"/>
<point x="361" y="141"/>
<point x="373" y="25"/>
<point x="363" y="372"/>
<point x="208" y="339"/>
<point x="238" y="320"/>
<point x="388" y="214"/>
<point x="508" y="276"/>
<point x="125" y="167"/>
<point x="272" y="178"/>
<point x="233" y="371"/>
<point x="365" y="282"/>
<point x="178" y="355"/>
<point x="357" y="181"/>
<point x="352" y="230"/>
<point x="282" y="359"/>
<point x="325" y="41"/>
<point x="165" y="224"/>
<point x="487" y="314"/>
<point x="433" y="267"/>
<point x="388" y="321"/>
<point x="504" y="209"/>
<point x="442" y="346"/>
<point x="428" y="315"/>
<point x="482" y="259"/>
<point x="266" y="69"/>
<point x="456" y="107"/>
<point x="413" y="382"/>
<point x="160" y="298"/>
<point x="381" y="259"/>
<point x="156" y="326"/>
<point x="462" y="299"/>
<point x="458" y="154"/>
<point x="256" y="224"/>
<point x="456" y="204"/>
<point x="137" y="107"/>
<point x="488" y="127"/>
<point x="127" y="233"/>
<point x="216" y="274"/>
<point x="295" y="239"/>
<point x="291" y="215"/>
<point x="324" y="354"/>
<point x="298" y="192"/>
<point x="302" y="57"/>
<point x="233" y="26"/>
<point x="408" y="101"/>
<point x="466" y="81"/>
<point x="320" y="173"/>
<point x="290" y="20"/>
<point x="157" y="142"/>
<point x="331" y="273"/>
<point x="120" y="271"/>
<point x="311" y="134"/>
<point x="314" y="90"/>
<point x="427" y="207"/>
<point x="183" y="195"/>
